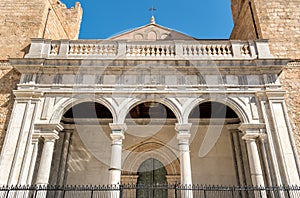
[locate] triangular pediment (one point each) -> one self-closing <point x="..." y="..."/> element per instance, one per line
<point x="151" y="32"/>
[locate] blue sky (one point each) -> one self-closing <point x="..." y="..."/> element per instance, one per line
<point x="198" y="18"/>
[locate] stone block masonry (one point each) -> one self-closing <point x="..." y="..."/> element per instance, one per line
<point x="290" y="79"/>
<point x="21" y="20"/>
<point x="276" y="20"/>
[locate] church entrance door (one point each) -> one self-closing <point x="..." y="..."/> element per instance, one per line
<point x="151" y="173"/>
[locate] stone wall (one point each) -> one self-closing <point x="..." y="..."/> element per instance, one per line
<point x="276" y="20"/>
<point x="290" y="79"/>
<point x="21" y="20"/>
<point x="8" y="81"/>
<point x="70" y="19"/>
<point x="244" y="25"/>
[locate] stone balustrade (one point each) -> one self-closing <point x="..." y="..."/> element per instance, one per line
<point x="106" y="49"/>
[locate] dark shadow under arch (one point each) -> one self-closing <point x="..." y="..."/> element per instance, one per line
<point x="88" y="110"/>
<point x="150" y="110"/>
<point x="210" y="110"/>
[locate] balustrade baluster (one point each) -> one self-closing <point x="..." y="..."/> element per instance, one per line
<point x="76" y="51"/>
<point x="80" y="50"/>
<point x="71" y="49"/>
<point x="168" y="50"/>
<point x="128" y="50"/>
<point x="214" y="50"/>
<point x="219" y="50"/>
<point x="208" y="47"/>
<point x="183" y="50"/>
<point x="143" y="50"/>
<point x="187" y="50"/>
<point x="54" y="49"/>
<point x="110" y="49"/>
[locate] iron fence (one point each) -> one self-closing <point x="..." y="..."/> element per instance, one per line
<point x="149" y="191"/>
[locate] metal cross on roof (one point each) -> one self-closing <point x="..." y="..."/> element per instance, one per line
<point x="152" y="9"/>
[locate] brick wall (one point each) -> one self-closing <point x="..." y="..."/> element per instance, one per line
<point x="21" y="20"/>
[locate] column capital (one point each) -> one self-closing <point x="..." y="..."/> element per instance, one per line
<point x="35" y="138"/>
<point x="263" y="138"/>
<point x="118" y="127"/>
<point x="117" y="136"/>
<point x="183" y="137"/>
<point x="48" y="128"/>
<point x="183" y="127"/>
<point x="50" y="137"/>
<point x="47" y="131"/>
<point x="233" y="127"/>
<point x="252" y="128"/>
<point x="251" y="137"/>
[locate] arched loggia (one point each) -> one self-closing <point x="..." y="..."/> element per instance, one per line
<point x="78" y="150"/>
<point x="218" y="153"/>
<point x="150" y="123"/>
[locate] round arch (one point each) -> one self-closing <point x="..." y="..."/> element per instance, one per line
<point x="158" y="151"/>
<point x="62" y="107"/>
<point x="226" y="101"/>
<point x="133" y="103"/>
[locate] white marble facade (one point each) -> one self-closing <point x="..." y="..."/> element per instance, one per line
<point x="149" y="64"/>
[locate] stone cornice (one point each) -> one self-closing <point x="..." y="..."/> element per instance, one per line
<point x="125" y="67"/>
<point x="27" y="94"/>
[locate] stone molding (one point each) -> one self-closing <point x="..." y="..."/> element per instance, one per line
<point x="47" y="131"/>
<point x="183" y="128"/>
<point x="252" y="128"/>
<point x="115" y="127"/>
<point x="183" y="138"/>
<point x="117" y="137"/>
<point x="251" y="137"/>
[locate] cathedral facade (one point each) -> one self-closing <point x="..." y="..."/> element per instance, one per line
<point x="152" y="106"/>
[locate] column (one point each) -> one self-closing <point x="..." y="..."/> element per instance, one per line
<point x="14" y="159"/>
<point x="49" y="135"/>
<point x="183" y="137"/>
<point x="252" y="133"/>
<point x="238" y="155"/>
<point x="117" y="137"/>
<point x="254" y="159"/>
<point x="63" y="165"/>
<point x="266" y="160"/>
<point x="35" y="144"/>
